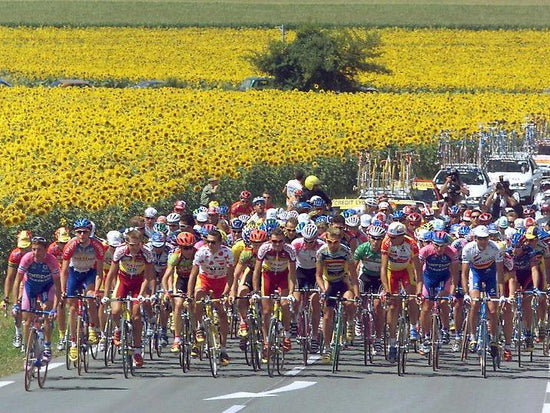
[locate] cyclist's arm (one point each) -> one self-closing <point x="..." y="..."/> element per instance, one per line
<point x="166" y="278"/>
<point x="99" y="274"/>
<point x="113" y="271"/>
<point x="192" y="281"/>
<point x="354" y="280"/>
<point x="16" y="283"/>
<point x="454" y="275"/>
<point x="465" y="271"/>
<point x="384" y="272"/>
<point x="291" y="277"/>
<point x="10" y="278"/>
<point x="500" y="277"/>
<point x="419" y="274"/>
<point x="230" y="280"/>
<point x="57" y="296"/>
<point x="239" y="269"/>
<point x="64" y="275"/>
<point x="257" y="274"/>
<point x="148" y="275"/>
<point x="319" y="276"/>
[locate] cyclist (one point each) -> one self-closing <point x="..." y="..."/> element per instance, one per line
<point x="463" y="237"/>
<point x="212" y="271"/>
<point x="244" y="271"/>
<point x="173" y="223"/>
<point x="306" y="248"/>
<point x="132" y="269"/>
<point x="82" y="270"/>
<point x="440" y="273"/>
<point x="241" y="207"/>
<point x="275" y="270"/>
<point x="482" y="262"/>
<point x="369" y="264"/>
<point x="335" y="274"/>
<point x="56" y="249"/>
<point x="176" y="278"/>
<point x="39" y="272"/>
<point x="400" y="266"/>
<point x="290" y="230"/>
<point x="258" y="216"/>
<point x="353" y="236"/>
<point x="179" y="206"/>
<point x="14" y="259"/>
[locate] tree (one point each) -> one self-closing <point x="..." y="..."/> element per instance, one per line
<point x="321" y="59"/>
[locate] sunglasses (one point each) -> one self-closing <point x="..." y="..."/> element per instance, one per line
<point x="211" y="242"/>
<point x="39" y="240"/>
<point x="132" y="244"/>
<point x="474" y="216"/>
<point x="187" y="248"/>
<point x="82" y="231"/>
<point x="277" y="241"/>
<point x="290" y="230"/>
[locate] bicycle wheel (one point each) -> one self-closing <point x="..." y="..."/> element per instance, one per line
<point x="434" y="351"/>
<point x="30" y="359"/>
<point x="368" y="328"/>
<point x="124" y="350"/>
<point x="546" y="341"/>
<point x="253" y="345"/>
<point x="464" y="341"/>
<point x="211" y="343"/>
<point x="148" y="340"/>
<point x="401" y="344"/>
<point x="108" y="335"/>
<point x="280" y="352"/>
<point x="185" y="349"/>
<point x="68" y="362"/>
<point x="518" y="333"/>
<point x="158" y="334"/>
<point x="79" y="328"/>
<point x="336" y="340"/>
<point x="385" y="339"/>
<point x="482" y="346"/>
<point x="303" y="335"/>
<point x="130" y="340"/>
<point x="271" y="347"/>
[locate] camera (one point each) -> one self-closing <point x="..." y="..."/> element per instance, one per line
<point x="499" y="186"/>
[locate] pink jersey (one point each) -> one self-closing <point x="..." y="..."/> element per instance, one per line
<point x="213" y="265"/>
<point x="38" y="271"/>
<point x="83" y="259"/>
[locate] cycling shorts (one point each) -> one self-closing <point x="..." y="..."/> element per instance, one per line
<point x="305" y="277"/>
<point x="404" y="277"/>
<point x="80" y="281"/>
<point x="125" y="287"/>
<point x="433" y="287"/>
<point x="525" y="279"/>
<point x="181" y="283"/>
<point x="369" y="285"/>
<point x="216" y="285"/>
<point x="36" y="291"/>
<point x="246" y="278"/>
<point x="488" y="276"/>
<point x="274" y="281"/>
<point x="335" y="288"/>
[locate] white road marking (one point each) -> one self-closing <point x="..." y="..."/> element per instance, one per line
<point x="235" y="408"/>
<point x="296" y="370"/>
<point x="5" y="383"/>
<point x="546" y="405"/>
<point x="55" y="365"/>
<point x="297" y="385"/>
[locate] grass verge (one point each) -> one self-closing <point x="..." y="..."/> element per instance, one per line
<point x="262" y="13"/>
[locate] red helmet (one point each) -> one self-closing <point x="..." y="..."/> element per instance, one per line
<point x="414" y="218"/>
<point x="185" y="239"/>
<point x="245" y="194"/>
<point x="529" y="222"/>
<point x="467" y="215"/>
<point x="179" y="206"/>
<point x="529" y="212"/>
<point x="485" y="218"/>
<point x="408" y="209"/>
<point x="258" y="235"/>
<point x="427" y="212"/>
<point x="545" y="208"/>
<point x="209" y="227"/>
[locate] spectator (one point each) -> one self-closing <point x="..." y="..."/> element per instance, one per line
<point x="210" y="192"/>
<point x="453" y="189"/>
<point x="503" y="197"/>
<point x="296" y="184"/>
<point x="312" y="187"/>
<point x="241" y="207"/>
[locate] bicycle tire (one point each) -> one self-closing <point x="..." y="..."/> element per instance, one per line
<point x="280" y="352"/>
<point x="213" y="358"/>
<point x="464" y="340"/>
<point x="518" y="331"/>
<point x="158" y="344"/>
<point x="42" y="371"/>
<point x="124" y="352"/>
<point x="546" y="341"/>
<point x="185" y="350"/>
<point x="368" y="328"/>
<point x="79" y="344"/>
<point x="434" y="351"/>
<point x="131" y="346"/>
<point x="108" y="333"/>
<point x="303" y="335"/>
<point x="30" y="358"/>
<point x="253" y="345"/>
<point x="68" y="362"/>
<point x="337" y="335"/>
<point x="482" y="344"/>
<point x="271" y="349"/>
<point x="149" y="340"/>
<point x="401" y="343"/>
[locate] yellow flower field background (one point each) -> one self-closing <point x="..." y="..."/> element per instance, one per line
<point x="422" y="59"/>
<point x="95" y="147"/>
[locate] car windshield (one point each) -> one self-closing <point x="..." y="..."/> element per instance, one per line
<point x="500" y="165"/>
<point x="467" y="177"/>
<point x="426" y="195"/>
<point x="544" y="150"/>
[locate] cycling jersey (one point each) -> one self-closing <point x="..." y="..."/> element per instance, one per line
<point x="237" y="248"/>
<point x="180" y="263"/>
<point x="335" y="265"/>
<point x="213" y="265"/>
<point x="131" y="267"/>
<point x="56" y="250"/>
<point x="83" y="259"/>
<point x="276" y="261"/>
<point x="437" y="266"/>
<point x="370" y="261"/>
<point x="400" y="257"/>
<point x="240" y="208"/>
<point x="15" y="257"/>
<point x="160" y="259"/>
<point x="482" y="265"/>
<point x="38" y="278"/>
<point x="458" y="244"/>
<point x="306" y="252"/>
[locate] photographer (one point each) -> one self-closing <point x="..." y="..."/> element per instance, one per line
<point x="453" y="190"/>
<point x="502" y="197"/>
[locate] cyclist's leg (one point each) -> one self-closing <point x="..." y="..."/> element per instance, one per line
<point x="428" y="292"/>
<point x="507" y="314"/>
<point x="28" y="302"/>
<point x="47" y="298"/>
<point x="315" y="313"/>
<point x="178" y="307"/>
<point x="491" y="288"/>
<point x="393" y="308"/>
<point x="474" y="289"/>
<point x="74" y="285"/>
<point x="409" y="284"/>
<point x="224" y="324"/>
<point x="89" y="288"/>
<point x="445" y="291"/>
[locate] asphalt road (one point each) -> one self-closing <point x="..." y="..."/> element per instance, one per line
<point x="161" y="385"/>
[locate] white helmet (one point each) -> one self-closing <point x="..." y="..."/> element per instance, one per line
<point x="352" y="221"/>
<point x="309" y="231"/>
<point x="202" y="217"/>
<point x="365" y="220"/>
<point x="150" y="212"/>
<point x="396" y="229"/>
<point x="304" y="218"/>
<point x="377" y="232"/>
<point x="114" y="239"/>
<point x="173" y="218"/>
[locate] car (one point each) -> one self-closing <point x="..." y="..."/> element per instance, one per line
<point x="542" y="157"/>
<point x="475" y="178"/>
<point x="71" y="83"/>
<point x="520" y="169"/>
<point x="257" y="83"/>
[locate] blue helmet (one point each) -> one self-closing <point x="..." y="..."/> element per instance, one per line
<point x="321" y="218"/>
<point x="236" y="223"/>
<point x="222" y="210"/>
<point x="454" y="211"/>
<point x="426" y="236"/>
<point x="517" y="239"/>
<point x="318" y="203"/>
<point x="463" y="230"/>
<point x="82" y="223"/>
<point x="158" y="239"/>
<point x="440" y="238"/>
<point x="397" y="215"/>
<point x="303" y="205"/>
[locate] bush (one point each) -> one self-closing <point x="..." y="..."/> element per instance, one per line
<point x="320" y="59"/>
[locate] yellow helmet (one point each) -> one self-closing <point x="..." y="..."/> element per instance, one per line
<point x="311" y="181"/>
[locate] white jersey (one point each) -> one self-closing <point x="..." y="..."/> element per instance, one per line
<point x="306" y="252"/>
<point x="481" y="259"/>
<point x="213" y="265"/>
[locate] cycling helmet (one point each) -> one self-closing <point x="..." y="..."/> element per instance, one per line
<point x="428" y="225"/>
<point x="114" y="239"/>
<point x="454" y="211"/>
<point x="440" y="238"/>
<point x="408" y="209"/>
<point x="414" y="218"/>
<point x="380" y="216"/>
<point x="529" y="222"/>
<point x="258" y="235"/>
<point x="438" y="225"/>
<point x="463" y="231"/>
<point x="427" y="212"/>
<point x="202" y="217"/>
<point x="519" y="223"/>
<point x="467" y="215"/>
<point x="502" y="222"/>
<point x="317" y="203"/>
<point x="244" y="218"/>
<point x="303" y="205"/>
<point x="517" y="239"/>
<point x="309" y="231"/>
<point x="545" y="208"/>
<point x="304" y="218"/>
<point x="62" y="234"/>
<point x="161" y="219"/>
<point x="371" y="202"/>
<point x="311" y="181"/>
<point x="398" y="215"/>
<point x="493" y="229"/>
<point x="158" y="239"/>
<point x="82" y="223"/>
<point x="293" y="213"/>
<point x="179" y="206"/>
<point x="301" y="225"/>
<point x="236" y="224"/>
<point x="352" y="221"/>
<point x="376" y="232"/>
<point x="321" y="218"/>
<point x="532" y="232"/>
<point x="365" y="220"/>
<point x="424" y="235"/>
<point x="396" y="229"/>
<point x="185" y="239"/>
<point x="213" y="211"/>
<point x="203" y="232"/>
<point x="271" y="213"/>
<point x="150" y="212"/>
<point x="245" y="194"/>
<point x="173" y="218"/>
<point x="543" y="235"/>
<point x="480" y="231"/>
<point x="529" y="212"/>
<point x="258" y="200"/>
<point x="160" y="227"/>
<point x="485" y="218"/>
<point x="222" y="209"/>
<point x="377" y="223"/>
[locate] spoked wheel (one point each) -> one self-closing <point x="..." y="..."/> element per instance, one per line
<point x="272" y="348"/>
<point x="254" y="348"/>
<point x="303" y="334"/>
<point x="464" y="341"/>
<point x="30" y="358"/>
<point x="518" y="331"/>
<point x="385" y="339"/>
<point x="280" y="353"/>
<point x="108" y="335"/>
<point x="401" y="347"/>
<point x="434" y="351"/>
<point x="212" y="350"/>
<point x="482" y="343"/>
<point x="79" y="328"/>
<point x="126" y="350"/>
<point x="185" y="349"/>
<point x="337" y="345"/>
<point x="42" y="374"/>
<point x="368" y="328"/>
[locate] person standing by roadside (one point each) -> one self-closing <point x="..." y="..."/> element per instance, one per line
<point x="210" y="192"/>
